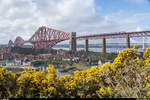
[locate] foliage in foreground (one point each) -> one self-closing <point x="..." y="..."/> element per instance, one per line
<point x="127" y="77"/>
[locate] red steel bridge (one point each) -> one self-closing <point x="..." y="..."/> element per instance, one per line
<point x="46" y="37"/>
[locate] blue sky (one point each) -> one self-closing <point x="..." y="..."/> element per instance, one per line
<point x="24" y="17"/>
<point x="131" y="6"/>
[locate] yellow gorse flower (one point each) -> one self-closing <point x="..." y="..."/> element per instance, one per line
<point x="111" y="80"/>
<point x="104" y="92"/>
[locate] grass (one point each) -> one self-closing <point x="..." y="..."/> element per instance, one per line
<point x="79" y="66"/>
<point x="14" y="66"/>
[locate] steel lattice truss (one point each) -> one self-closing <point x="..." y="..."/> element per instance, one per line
<point x="10" y="43"/>
<point x="116" y="35"/>
<point x="19" y="41"/>
<point x="44" y="37"/>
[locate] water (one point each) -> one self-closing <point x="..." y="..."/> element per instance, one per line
<point x="96" y="49"/>
<point x="60" y="73"/>
<point x="112" y="47"/>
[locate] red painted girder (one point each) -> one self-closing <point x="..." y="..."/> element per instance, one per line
<point x="54" y="31"/>
<point x="46" y="37"/>
<point x="115" y="35"/>
<point x="48" y="40"/>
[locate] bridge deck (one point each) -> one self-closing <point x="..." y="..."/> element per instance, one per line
<point x="115" y="35"/>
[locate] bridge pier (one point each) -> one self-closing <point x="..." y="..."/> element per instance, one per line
<point x="127" y="41"/>
<point x="86" y="45"/>
<point x="104" y="45"/>
<point x="73" y="43"/>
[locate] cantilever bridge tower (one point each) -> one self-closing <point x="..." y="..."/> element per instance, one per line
<point x="44" y="37"/>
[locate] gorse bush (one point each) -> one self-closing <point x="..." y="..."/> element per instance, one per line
<point x="127" y="77"/>
<point x="7" y="83"/>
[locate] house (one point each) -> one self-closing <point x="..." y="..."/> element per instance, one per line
<point x="66" y="59"/>
<point x="75" y="59"/>
<point x="1" y="56"/>
<point x="44" y="56"/>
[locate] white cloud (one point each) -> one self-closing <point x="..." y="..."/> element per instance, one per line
<point x="23" y="17"/>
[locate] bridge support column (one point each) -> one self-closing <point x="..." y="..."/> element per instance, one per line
<point x="127" y="41"/>
<point x="86" y="45"/>
<point x="104" y="46"/>
<point x="73" y="42"/>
